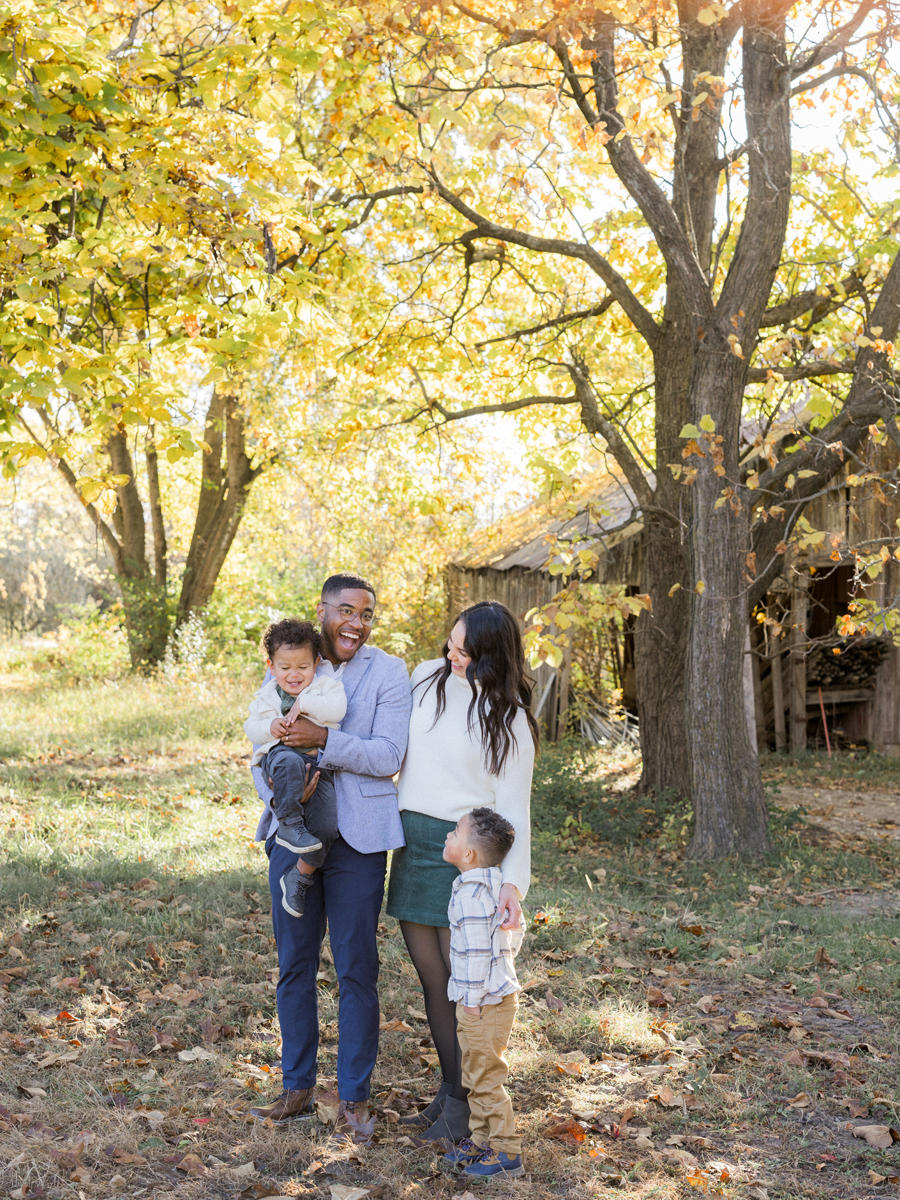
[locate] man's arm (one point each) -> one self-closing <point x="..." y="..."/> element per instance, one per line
<point x="381" y="753"/>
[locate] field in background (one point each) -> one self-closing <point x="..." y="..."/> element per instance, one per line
<point x="684" y="1029"/>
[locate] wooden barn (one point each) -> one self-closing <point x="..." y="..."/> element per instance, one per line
<point x="801" y="678"/>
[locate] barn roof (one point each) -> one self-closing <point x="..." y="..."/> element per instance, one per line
<point x="599" y="509"/>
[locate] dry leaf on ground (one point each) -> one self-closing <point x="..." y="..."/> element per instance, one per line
<point x="882" y="1137"/>
<point x="343" y="1191"/>
<point x="569" y="1131"/>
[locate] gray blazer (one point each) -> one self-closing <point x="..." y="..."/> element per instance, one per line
<point x="364" y="754"/>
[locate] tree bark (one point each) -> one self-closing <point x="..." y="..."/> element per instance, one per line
<point x="730" y="813"/>
<point x="224" y="488"/>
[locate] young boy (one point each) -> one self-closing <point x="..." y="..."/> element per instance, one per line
<point x="484" y="985"/>
<point x="292" y="649"/>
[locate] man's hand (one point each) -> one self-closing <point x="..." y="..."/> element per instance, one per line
<point x="473" y="1012"/>
<point x="278" y="728"/>
<point x="509" y="900"/>
<point x="310" y="786"/>
<point x="305" y="734"/>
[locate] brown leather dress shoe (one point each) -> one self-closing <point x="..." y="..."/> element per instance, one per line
<point x="290" y="1106"/>
<point x="354" y="1124"/>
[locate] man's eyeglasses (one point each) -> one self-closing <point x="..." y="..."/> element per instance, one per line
<point x="348" y="612"/>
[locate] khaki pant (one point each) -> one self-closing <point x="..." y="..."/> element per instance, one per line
<point x="483" y="1041"/>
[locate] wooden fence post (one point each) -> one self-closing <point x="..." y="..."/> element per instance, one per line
<point x="799" y="614"/>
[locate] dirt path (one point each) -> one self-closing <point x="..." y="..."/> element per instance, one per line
<point x="847" y="810"/>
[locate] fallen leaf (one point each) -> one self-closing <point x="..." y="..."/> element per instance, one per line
<point x="553" y="1002"/>
<point x="657" y="998"/>
<point x="801" y="1100"/>
<point x="795" y="1059"/>
<point x="882" y="1137"/>
<point x="706" y="1004"/>
<point x="81" y="1175"/>
<point x="822" y="959"/>
<point x="191" y="1165"/>
<point x="415" y="1014"/>
<point x="198" y="1053"/>
<point x="126" y="1157"/>
<point x="853" y="1106"/>
<point x="328" y="1107"/>
<point x="667" y="1096"/>
<point x="395" y="1026"/>
<point x="644" y="1143"/>
<point x="797" y="1034"/>
<point x="165" y="1041"/>
<point x="243" y="1171"/>
<point x="876" y="1179"/>
<point x="622" y="964"/>
<point x="210" y="1029"/>
<point x="569" y="1131"/>
<point x="743" y="1021"/>
<point x="344" y="1191"/>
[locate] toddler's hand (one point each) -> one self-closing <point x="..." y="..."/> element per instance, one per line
<point x="293" y="714"/>
<point x="278" y="728"/>
<point x="473" y="1012"/>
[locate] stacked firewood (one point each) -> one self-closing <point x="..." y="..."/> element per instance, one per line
<point x="854" y="666"/>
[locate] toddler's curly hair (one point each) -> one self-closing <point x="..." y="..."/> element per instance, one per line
<point x="493" y="835"/>
<point x="290" y="632"/>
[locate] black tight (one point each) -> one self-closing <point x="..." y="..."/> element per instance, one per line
<point x="429" y="949"/>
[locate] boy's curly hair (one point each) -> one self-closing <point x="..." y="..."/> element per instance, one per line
<point x="493" y="835"/>
<point x="291" y="632"/>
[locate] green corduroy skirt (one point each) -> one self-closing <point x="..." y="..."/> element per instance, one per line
<point x="420" y="884"/>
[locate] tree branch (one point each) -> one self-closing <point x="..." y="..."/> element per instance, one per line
<point x="672" y="240"/>
<point x="92" y="511"/>
<point x="834" y="43"/>
<point x="596" y="310"/>
<point x="619" y="289"/>
<point x="810" y="371"/>
<point x="811" y="299"/>
<point x="595" y="422"/>
<point x="834" y="73"/>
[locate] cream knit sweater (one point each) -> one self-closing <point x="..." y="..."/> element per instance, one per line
<point x="444" y="776"/>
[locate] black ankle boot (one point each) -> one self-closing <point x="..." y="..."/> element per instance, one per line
<point x="422" y="1120"/>
<point x="453" y="1123"/>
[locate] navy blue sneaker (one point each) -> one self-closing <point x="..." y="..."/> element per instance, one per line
<point x="492" y="1164"/>
<point x="463" y="1154"/>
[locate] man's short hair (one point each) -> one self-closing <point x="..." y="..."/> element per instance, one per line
<point x="337" y="583"/>
<point x="293" y="633"/>
<point x="492" y="834"/>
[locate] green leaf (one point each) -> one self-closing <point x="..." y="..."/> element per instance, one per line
<point x="707" y="424"/>
<point x="690" y="431"/>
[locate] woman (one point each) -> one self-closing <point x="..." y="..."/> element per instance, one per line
<point x="472" y="741"/>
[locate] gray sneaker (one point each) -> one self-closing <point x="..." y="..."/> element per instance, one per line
<point x="294" y="886"/>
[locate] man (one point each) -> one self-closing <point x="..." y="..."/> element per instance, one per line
<point x="347" y="892"/>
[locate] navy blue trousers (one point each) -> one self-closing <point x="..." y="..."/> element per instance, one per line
<point x="347" y="892"/>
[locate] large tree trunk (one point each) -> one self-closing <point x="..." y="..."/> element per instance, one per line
<point x="730" y="814"/>
<point x="143" y="597"/>
<point x="660" y="641"/>
<point x="224" y="489"/>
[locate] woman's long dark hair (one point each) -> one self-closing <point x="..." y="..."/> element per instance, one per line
<point x="494" y="644"/>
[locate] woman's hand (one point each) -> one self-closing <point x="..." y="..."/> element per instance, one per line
<point x="509" y="900"/>
<point x="310" y="786"/>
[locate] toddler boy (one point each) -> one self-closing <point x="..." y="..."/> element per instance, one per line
<point x="484" y="985"/>
<point x="304" y="804"/>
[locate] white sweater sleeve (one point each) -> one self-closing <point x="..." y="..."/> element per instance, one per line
<point x="324" y="702"/>
<point x="513" y="801"/>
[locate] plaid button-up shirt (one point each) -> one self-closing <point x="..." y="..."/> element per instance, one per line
<point x="482" y="955"/>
